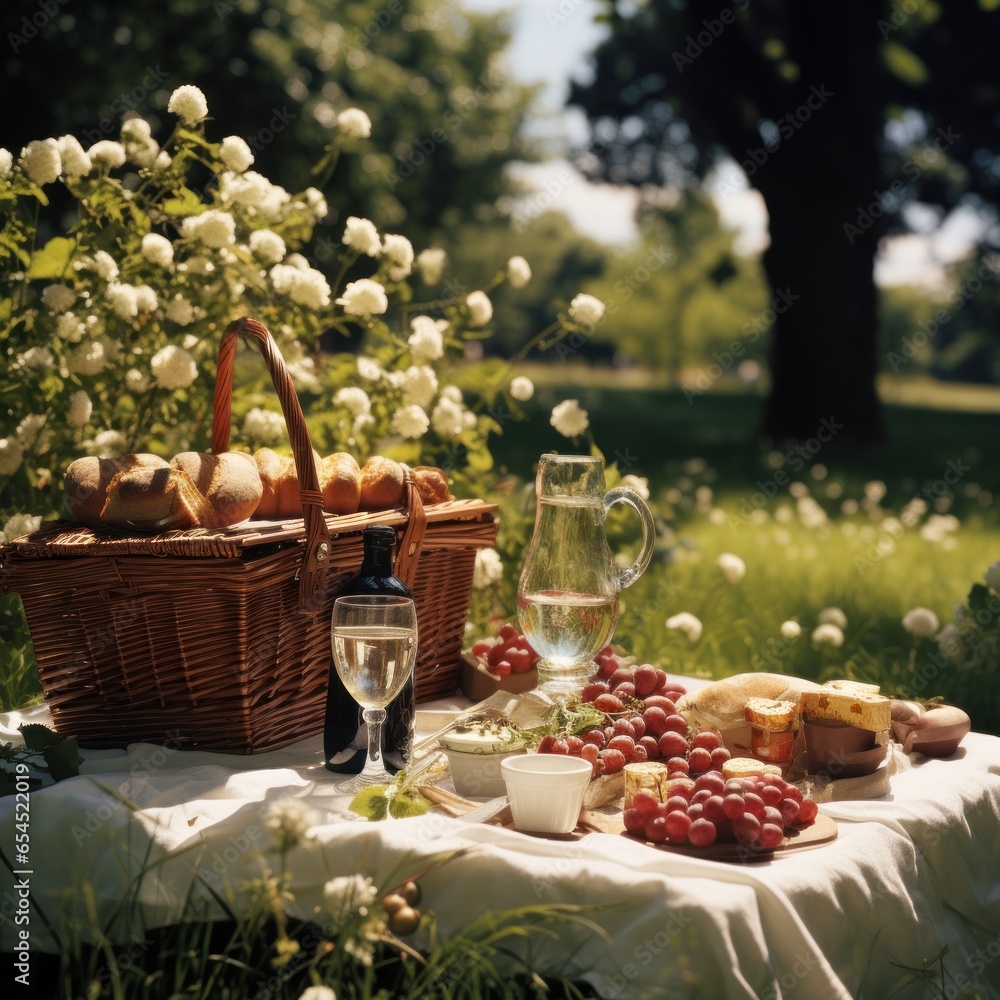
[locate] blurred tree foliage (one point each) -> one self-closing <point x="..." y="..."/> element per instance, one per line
<point x="446" y="121"/>
<point x="842" y="116"/>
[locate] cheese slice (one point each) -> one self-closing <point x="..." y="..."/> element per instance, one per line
<point x="741" y="767"/>
<point x="770" y="715"/>
<point x="853" y="687"/>
<point x="860" y="709"/>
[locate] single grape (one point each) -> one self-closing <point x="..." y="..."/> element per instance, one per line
<point x="575" y="744"/>
<point x="608" y="703"/>
<point x="623" y="743"/>
<point x="807" y="812"/>
<point x="719" y="757"/>
<point x="746" y="828"/>
<point x="645" y="802"/>
<point x="620" y="676"/>
<point x="754" y="804"/>
<point x="614" y="760"/>
<point x="501" y="669"/>
<point x="708" y="739"/>
<point x="589" y="752"/>
<point x="678" y="823"/>
<point x="624" y="690"/>
<point x="772" y="815"/>
<point x="677" y="723"/>
<point x="658" y="701"/>
<point x="672" y="744"/>
<point x="655" y="720"/>
<point x="559" y="746"/>
<point x="635" y="822"/>
<point x="702" y="833"/>
<point x="700" y="794"/>
<point x="733" y="806"/>
<point x="677" y="803"/>
<point x="656" y="829"/>
<point x="652" y="749"/>
<point x="771" y="795"/>
<point x="695" y="810"/>
<point x="699" y="759"/>
<point x="771" y="835"/>
<point x="625" y="728"/>
<point x="638" y="725"/>
<point x="713" y="810"/>
<point x="481" y="647"/>
<point x="639" y="753"/>
<point x="789" y="811"/>
<point x="677" y="766"/>
<point x="645" y="680"/>
<point x="711" y="780"/>
<point x="508" y="632"/>
<point x="595" y="736"/>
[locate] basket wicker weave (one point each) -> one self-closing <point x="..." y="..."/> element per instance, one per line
<point x="220" y="638"/>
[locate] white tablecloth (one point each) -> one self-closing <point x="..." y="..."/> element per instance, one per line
<point x="909" y="873"/>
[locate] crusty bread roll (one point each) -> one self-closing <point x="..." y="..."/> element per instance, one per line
<point x="279" y="484"/>
<point x="720" y="705"/>
<point x="431" y="483"/>
<point x="340" y="481"/>
<point x="230" y="483"/>
<point x="155" y="499"/>
<point x="383" y="484"/>
<point x="87" y="481"/>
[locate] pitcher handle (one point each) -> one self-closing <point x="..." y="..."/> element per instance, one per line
<point x="622" y="494"/>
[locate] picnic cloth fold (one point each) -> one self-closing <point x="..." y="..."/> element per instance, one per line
<point x="910" y="873"/>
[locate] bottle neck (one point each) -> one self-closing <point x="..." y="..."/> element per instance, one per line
<point x="377" y="561"/>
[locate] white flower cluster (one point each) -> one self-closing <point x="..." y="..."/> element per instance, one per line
<point x="289" y="820"/>
<point x="410" y="422"/>
<point x="426" y="342"/>
<point x="267" y="246"/>
<point x="364" y="298"/>
<point x="522" y="388"/>
<point x="687" y="624"/>
<point x="489" y="569"/>
<point x="569" y="418"/>
<point x="301" y="284"/>
<point x="235" y="154"/>
<point x="263" y="426"/>
<point x="732" y="566"/>
<point x="213" y="229"/>
<point x="586" y="310"/>
<point x="354" y="400"/>
<point x="173" y="367"/>
<point x="157" y="250"/>
<point x="354" y="123"/>
<point x="347" y="895"/>
<point x="397" y="252"/>
<point x="480" y="308"/>
<point x="430" y="264"/>
<point x="921" y="623"/>
<point x="362" y="236"/>
<point x="189" y="104"/>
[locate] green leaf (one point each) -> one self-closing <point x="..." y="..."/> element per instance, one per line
<point x="185" y="203"/>
<point x="408" y="804"/>
<point x="370" y="802"/>
<point x="979" y="598"/>
<point x="54" y="260"/>
<point x="64" y="760"/>
<point x="904" y="64"/>
<point x="38" y="737"/>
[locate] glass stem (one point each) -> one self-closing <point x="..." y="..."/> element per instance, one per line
<point x="373" y="765"/>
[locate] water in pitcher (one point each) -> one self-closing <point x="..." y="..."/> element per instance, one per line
<point x="566" y="627"/>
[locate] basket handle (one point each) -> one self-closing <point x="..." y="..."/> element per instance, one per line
<point x="408" y="552"/>
<point x="316" y="558"/>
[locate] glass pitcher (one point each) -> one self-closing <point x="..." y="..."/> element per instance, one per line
<point x="567" y="598"/>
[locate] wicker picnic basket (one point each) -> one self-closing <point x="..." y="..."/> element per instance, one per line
<point x="220" y="638"/>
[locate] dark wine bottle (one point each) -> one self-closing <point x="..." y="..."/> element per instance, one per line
<point x="345" y="732"/>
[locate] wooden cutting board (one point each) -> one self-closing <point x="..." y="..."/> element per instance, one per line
<point x="822" y="831"/>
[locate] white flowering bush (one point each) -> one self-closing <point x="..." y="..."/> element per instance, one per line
<point x="111" y="327"/>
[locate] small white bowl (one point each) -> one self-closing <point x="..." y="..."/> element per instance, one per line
<point x="478" y="774"/>
<point x="546" y="791"/>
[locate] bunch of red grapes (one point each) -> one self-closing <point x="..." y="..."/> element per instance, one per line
<point x="641" y="723"/>
<point x="509" y="653"/>
<point x="753" y="812"/>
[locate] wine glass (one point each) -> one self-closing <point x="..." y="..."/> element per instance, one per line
<point x="374" y="640"/>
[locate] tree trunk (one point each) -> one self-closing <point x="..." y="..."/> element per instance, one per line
<point x="825" y="332"/>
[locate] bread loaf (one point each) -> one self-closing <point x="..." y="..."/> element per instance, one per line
<point x="431" y="483"/>
<point x="721" y="704"/>
<point x="340" y="481"/>
<point x="279" y="485"/>
<point x="229" y="482"/>
<point x="155" y="499"/>
<point x="382" y="484"/>
<point x="87" y="481"/>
